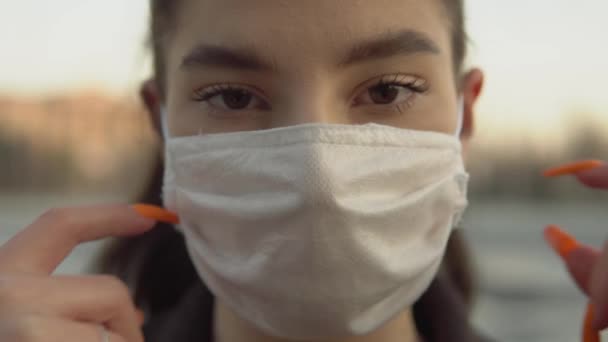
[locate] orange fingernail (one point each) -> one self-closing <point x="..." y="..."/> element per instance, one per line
<point x="562" y="242"/>
<point x="156" y="213"/>
<point x="573" y="168"/>
<point x="589" y="333"/>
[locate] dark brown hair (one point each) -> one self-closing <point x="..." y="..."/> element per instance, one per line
<point x="157" y="268"/>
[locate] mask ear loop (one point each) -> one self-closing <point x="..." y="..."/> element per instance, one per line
<point x="460" y="118"/>
<point x="163" y="123"/>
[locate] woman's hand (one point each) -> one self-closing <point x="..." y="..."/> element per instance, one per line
<point x="587" y="265"/>
<point x="37" y="306"/>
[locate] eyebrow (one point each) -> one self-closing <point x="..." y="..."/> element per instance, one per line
<point x="406" y="42"/>
<point x="226" y="58"/>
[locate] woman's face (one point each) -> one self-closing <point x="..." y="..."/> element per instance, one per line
<point x="239" y="65"/>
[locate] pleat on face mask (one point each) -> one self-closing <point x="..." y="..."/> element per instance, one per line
<point x="316" y="231"/>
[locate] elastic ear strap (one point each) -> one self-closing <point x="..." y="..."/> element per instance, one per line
<point x="460" y="118"/>
<point x="163" y="123"/>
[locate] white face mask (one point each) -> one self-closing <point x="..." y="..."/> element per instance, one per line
<point x="317" y="230"/>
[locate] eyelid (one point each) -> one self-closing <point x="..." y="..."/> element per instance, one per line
<point x="224" y="86"/>
<point x="205" y="95"/>
<point x="401" y="79"/>
<point x="392" y="78"/>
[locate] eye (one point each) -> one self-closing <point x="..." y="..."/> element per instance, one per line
<point x="391" y="90"/>
<point x="229" y="98"/>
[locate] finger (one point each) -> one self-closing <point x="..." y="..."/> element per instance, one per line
<point x="599" y="289"/>
<point x="590" y="333"/>
<point x="580" y="263"/>
<point x="579" y="259"/>
<point x="99" y="299"/>
<point x="141" y="317"/>
<point x="53" y="329"/>
<point x="595" y="178"/>
<point x="40" y="248"/>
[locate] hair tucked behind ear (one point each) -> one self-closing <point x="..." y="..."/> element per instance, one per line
<point x="158" y="269"/>
<point x="162" y="20"/>
<point x="456" y="16"/>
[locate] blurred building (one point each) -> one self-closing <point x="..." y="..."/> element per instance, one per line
<point x="88" y="135"/>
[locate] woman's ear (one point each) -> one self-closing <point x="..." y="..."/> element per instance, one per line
<point x="150" y="96"/>
<point x="471" y="89"/>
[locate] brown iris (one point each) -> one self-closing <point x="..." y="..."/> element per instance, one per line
<point x="384" y="93"/>
<point x="237" y="99"/>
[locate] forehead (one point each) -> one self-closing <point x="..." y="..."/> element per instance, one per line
<point x="287" y="31"/>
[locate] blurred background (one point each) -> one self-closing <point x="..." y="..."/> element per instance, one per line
<point x="72" y="132"/>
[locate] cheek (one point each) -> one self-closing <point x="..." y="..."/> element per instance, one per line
<point x="444" y="106"/>
<point x="441" y="118"/>
<point x="438" y="109"/>
<point x="435" y="111"/>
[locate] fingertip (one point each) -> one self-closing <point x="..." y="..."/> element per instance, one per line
<point x="594" y="178"/>
<point x="561" y="242"/>
<point x="156" y="213"/>
<point x="572" y="168"/>
<point x="580" y="263"/>
<point x="145" y="220"/>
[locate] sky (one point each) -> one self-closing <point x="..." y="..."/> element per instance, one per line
<point x="546" y="61"/>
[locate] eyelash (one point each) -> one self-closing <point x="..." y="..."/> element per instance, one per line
<point x="413" y="83"/>
<point x="416" y="84"/>
<point x="204" y="94"/>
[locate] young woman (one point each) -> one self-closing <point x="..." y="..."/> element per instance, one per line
<point x="314" y="154"/>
